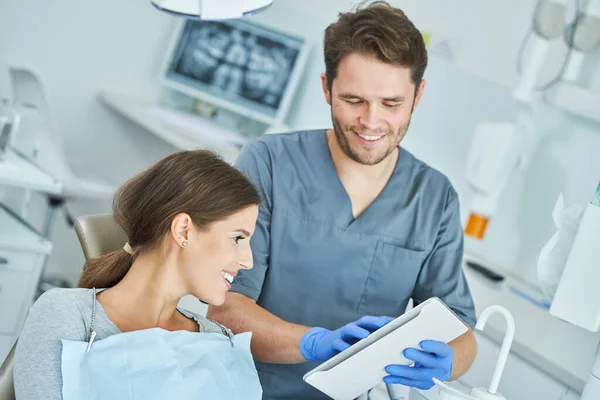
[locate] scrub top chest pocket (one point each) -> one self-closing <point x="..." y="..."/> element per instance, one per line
<point x="392" y="277"/>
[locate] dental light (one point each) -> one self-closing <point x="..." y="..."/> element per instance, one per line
<point x="212" y="9"/>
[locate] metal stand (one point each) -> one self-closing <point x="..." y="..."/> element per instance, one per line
<point x="55" y="203"/>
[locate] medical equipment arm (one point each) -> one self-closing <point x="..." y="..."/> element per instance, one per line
<point x="548" y="25"/>
<point x="498" y="149"/>
<point x="584" y="38"/>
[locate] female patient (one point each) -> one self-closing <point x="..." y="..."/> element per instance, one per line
<point x="120" y="335"/>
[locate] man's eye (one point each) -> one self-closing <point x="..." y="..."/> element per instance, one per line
<point x="354" y="102"/>
<point x="388" y="105"/>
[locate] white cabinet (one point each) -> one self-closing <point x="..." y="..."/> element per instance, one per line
<point x="22" y="254"/>
<point x="17" y="260"/>
<point x="22" y="249"/>
<point x="520" y="380"/>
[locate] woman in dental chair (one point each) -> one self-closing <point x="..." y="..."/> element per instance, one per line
<point x="120" y="335"/>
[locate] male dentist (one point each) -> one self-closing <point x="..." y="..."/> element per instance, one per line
<point x="351" y="224"/>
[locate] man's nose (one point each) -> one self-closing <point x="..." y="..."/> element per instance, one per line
<point x="371" y="118"/>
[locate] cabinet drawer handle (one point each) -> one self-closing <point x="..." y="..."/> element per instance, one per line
<point x="3" y="260"/>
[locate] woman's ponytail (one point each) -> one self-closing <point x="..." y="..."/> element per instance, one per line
<point x="105" y="271"/>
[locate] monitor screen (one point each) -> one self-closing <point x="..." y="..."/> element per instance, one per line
<point x="242" y="63"/>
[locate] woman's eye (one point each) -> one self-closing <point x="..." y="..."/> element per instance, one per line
<point x="238" y="238"/>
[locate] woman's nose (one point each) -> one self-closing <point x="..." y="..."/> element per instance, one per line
<point x="246" y="261"/>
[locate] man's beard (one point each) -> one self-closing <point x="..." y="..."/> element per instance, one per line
<point x="344" y="142"/>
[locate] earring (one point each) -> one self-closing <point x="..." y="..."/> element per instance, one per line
<point x="184" y="243"/>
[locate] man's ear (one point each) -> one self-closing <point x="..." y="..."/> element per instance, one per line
<point x="326" y="90"/>
<point x="419" y="93"/>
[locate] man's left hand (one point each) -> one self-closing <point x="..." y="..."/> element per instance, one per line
<point x="433" y="361"/>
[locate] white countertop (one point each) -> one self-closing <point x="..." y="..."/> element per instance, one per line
<point x="562" y="350"/>
<point x="17" y="235"/>
<point x="143" y="112"/>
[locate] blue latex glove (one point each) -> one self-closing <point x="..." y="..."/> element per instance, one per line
<point x="320" y="344"/>
<point x="435" y="361"/>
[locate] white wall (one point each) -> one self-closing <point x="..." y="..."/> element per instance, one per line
<point x="80" y="47"/>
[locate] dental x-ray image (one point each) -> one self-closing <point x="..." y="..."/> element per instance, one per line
<point x="236" y="60"/>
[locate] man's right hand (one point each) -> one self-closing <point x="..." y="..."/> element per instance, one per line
<point x="320" y="344"/>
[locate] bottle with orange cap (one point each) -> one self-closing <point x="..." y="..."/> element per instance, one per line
<point x="497" y="150"/>
<point x="482" y="208"/>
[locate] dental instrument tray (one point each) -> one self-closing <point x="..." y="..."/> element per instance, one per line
<point x="362" y="366"/>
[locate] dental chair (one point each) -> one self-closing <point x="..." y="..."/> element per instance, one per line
<point x="97" y="234"/>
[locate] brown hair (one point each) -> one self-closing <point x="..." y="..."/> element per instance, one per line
<point x="378" y="30"/>
<point x="196" y="182"/>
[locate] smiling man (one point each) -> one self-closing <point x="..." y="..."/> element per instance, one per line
<point x="351" y="224"/>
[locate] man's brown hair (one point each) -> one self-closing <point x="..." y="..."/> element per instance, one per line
<point x="377" y="30"/>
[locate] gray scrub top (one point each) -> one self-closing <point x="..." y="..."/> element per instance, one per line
<point x="316" y="265"/>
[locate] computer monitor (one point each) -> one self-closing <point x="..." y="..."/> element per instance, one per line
<point x="247" y="68"/>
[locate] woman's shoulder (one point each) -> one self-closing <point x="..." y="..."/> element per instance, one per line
<point x="59" y="301"/>
<point x="67" y="295"/>
<point x="57" y="314"/>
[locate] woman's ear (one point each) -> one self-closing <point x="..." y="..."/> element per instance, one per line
<point x="180" y="228"/>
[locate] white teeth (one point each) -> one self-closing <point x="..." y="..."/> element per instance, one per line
<point x="367" y="137"/>
<point x="227" y="276"/>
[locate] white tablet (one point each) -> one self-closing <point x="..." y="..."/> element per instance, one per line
<point x="362" y="366"/>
